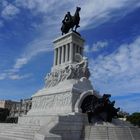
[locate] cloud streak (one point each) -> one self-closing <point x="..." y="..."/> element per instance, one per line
<point x="9" y="11"/>
<point x="95" y="13"/>
<point x="96" y="47"/>
<point x="118" y="72"/>
<point x="10" y="74"/>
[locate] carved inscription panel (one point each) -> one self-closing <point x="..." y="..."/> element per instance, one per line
<point x="52" y="101"/>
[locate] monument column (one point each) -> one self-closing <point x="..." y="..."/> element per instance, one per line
<point x="78" y="49"/>
<point x="58" y="58"/>
<point x="62" y="55"/>
<point x="55" y="54"/>
<point x="66" y="53"/>
<point x="71" y="52"/>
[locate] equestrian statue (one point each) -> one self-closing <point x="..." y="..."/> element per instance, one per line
<point x="69" y="21"/>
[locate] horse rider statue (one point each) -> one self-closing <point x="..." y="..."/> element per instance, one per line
<point x="70" y="21"/>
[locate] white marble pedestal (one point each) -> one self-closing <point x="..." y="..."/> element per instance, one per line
<point x="57" y="107"/>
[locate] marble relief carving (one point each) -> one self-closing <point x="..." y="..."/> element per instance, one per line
<point x="72" y="71"/>
<point x="63" y="99"/>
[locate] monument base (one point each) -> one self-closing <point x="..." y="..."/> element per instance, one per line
<point x="55" y="127"/>
<point x="57" y="110"/>
<point x="61" y="100"/>
<point x="70" y="127"/>
<point x="63" y="127"/>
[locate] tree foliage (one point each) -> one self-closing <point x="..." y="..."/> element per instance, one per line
<point x="4" y="112"/>
<point x="134" y="118"/>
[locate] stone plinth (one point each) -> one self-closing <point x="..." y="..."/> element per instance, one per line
<point x="66" y="47"/>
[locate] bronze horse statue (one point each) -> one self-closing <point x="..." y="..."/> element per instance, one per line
<point x="69" y="22"/>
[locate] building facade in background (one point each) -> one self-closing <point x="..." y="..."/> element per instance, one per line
<point x="8" y="104"/>
<point x="15" y="108"/>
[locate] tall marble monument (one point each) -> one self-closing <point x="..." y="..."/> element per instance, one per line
<point x="57" y="107"/>
<point x="66" y="85"/>
<point x="59" y="110"/>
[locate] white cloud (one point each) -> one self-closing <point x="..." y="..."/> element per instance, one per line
<point x="45" y="6"/>
<point x="9" y="11"/>
<point x="96" y="12"/>
<point x="99" y="46"/>
<point x="20" y="62"/>
<point x="87" y="48"/>
<point x="33" y="49"/>
<point x="19" y="77"/>
<point x="12" y="75"/>
<point x="118" y="72"/>
<point x="96" y="47"/>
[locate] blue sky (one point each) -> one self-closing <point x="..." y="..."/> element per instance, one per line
<point x="110" y="28"/>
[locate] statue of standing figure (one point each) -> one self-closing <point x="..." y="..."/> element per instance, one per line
<point x="69" y="22"/>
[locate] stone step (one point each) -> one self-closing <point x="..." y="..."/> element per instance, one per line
<point x="119" y="135"/>
<point x="28" y="126"/>
<point x="12" y="138"/>
<point x="2" y="126"/>
<point x="135" y="133"/>
<point x="111" y="133"/>
<point x="21" y="128"/>
<point x="8" y="124"/>
<point x="12" y="124"/>
<point x="16" y="135"/>
<point x="17" y="125"/>
<point x="68" y="126"/>
<point x="96" y="133"/>
<point x="17" y="131"/>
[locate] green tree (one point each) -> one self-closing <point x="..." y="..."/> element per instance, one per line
<point x="134" y="118"/>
